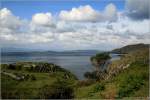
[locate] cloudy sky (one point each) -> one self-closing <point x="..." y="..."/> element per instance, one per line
<point x="68" y="24"/>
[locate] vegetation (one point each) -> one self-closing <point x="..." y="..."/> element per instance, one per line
<point x="136" y="79"/>
<point x="35" y="81"/>
<point x="59" y="90"/>
<point x="124" y="78"/>
<point x="101" y="56"/>
<point x="98" y="62"/>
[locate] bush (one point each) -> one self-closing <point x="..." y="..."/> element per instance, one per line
<point x="90" y="75"/>
<point x="85" y="82"/>
<point x="95" y="75"/>
<point x="59" y="90"/>
<point x="12" y="66"/>
<point x="101" y="56"/>
<point x="4" y="66"/>
<point x="129" y="85"/>
<point x="18" y="67"/>
<point x="99" y="87"/>
<point x="33" y="77"/>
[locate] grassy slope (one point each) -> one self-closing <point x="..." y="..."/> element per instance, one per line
<point x="12" y="88"/>
<point x="131" y="82"/>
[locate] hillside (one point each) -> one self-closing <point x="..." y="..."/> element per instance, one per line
<point x="124" y="78"/>
<point x="130" y="48"/>
<point x="36" y="81"/>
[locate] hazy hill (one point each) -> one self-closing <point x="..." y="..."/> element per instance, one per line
<point x="130" y="48"/>
<point x="52" y="53"/>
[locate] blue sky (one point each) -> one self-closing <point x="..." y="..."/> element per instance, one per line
<point x="25" y="9"/>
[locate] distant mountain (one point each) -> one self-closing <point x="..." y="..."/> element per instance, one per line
<point x="80" y="51"/>
<point x="52" y="53"/>
<point x="13" y="49"/>
<point x="130" y="48"/>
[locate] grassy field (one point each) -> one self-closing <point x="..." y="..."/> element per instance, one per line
<point x="31" y="87"/>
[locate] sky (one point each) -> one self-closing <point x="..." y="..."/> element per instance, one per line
<point x="73" y="24"/>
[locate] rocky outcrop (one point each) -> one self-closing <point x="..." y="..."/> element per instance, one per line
<point x="113" y="72"/>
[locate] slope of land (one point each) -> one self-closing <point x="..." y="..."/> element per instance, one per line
<point x="36" y="80"/>
<point x="130" y="48"/>
<point x="127" y="77"/>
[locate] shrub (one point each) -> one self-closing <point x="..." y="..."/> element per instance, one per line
<point x="33" y="77"/>
<point x="95" y="75"/>
<point x="59" y="90"/>
<point x="101" y="56"/>
<point x="12" y="66"/>
<point x="85" y="82"/>
<point x="18" y="67"/>
<point x="129" y="85"/>
<point x="99" y="87"/>
<point x="90" y="75"/>
<point x="4" y="66"/>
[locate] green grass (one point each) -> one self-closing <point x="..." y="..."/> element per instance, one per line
<point x="133" y="79"/>
<point x="30" y="86"/>
<point x="25" y="89"/>
<point x="128" y="83"/>
<point x="132" y="82"/>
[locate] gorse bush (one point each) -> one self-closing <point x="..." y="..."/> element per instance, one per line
<point x="91" y="75"/>
<point x="85" y="82"/>
<point x="33" y="77"/>
<point x="59" y="90"/>
<point x="99" y="87"/>
<point x="95" y="75"/>
<point x="129" y="85"/>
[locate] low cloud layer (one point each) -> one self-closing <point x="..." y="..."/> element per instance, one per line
<point x="80" y="28"/>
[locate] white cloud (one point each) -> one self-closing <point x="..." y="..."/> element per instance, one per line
<point x="72" y="31"/>
<point x="111" y="12"/>
<point x="9" y="26"/>
<point x="44" y="19"/>
<point x="138" y="9"/>
<point x="87" y="13"/>
<point x="122" y="32"/>
<point x="8" y="20"/>
<point x="42" y="22"/>
<point x="40" y="38"/>
<point x="8" y="37"/>
<point x="83" y="13"/>
<point x="17" y="31"/>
